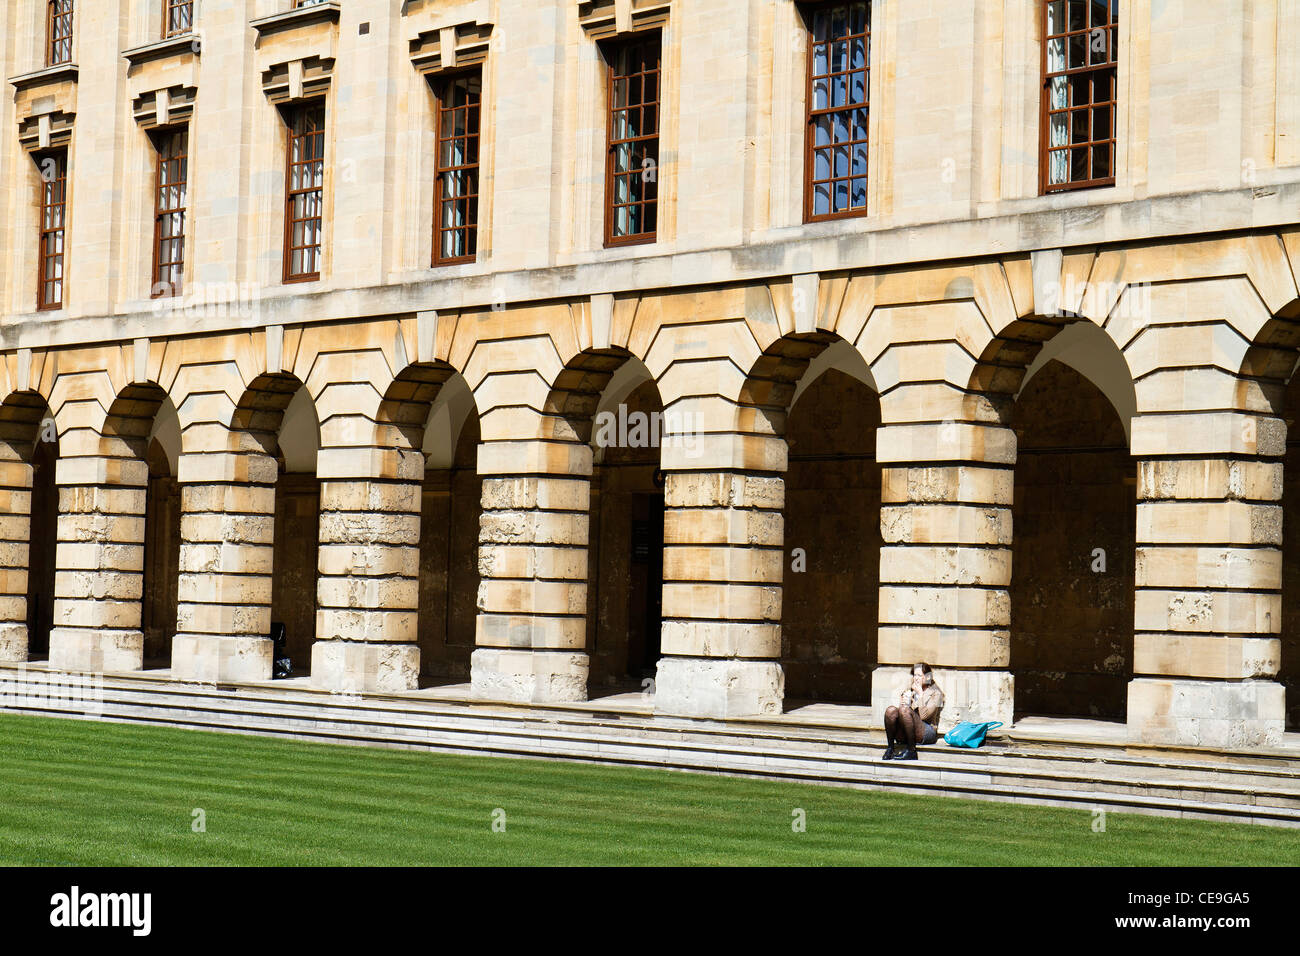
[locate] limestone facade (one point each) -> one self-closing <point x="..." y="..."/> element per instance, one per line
<point x="1172" y="295"/>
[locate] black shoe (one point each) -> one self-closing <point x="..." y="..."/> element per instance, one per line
<point x="908" y="754"/>
<point x="889" y="753"/>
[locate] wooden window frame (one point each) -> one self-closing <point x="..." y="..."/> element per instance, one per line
<point x="176" y="7"/>
<point x="292" y="117"/>
<point x="53" y="195"/>
<point x="812" y="115"/>
<point x="1092" y="72"/>
<point x="473" y="109"/>
<point x="164" y="138"/>
<point x="58" y="45"/>
<point x="648" y="142"/>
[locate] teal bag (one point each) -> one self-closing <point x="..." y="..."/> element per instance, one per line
<point x="967" y="734"/>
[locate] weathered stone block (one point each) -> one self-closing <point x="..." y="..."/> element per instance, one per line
<point x="718" y="689"/>
<point x="348" y="668"/>
<point x="528" y="676"/>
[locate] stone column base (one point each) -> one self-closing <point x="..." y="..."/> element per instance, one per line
<point x="975" y="695"/>
<point x="90" y="649"/>
<point x="720" y="688"/>
<point x="350" y="667"/>
<point x="13" y="643"/>
<point x="1206" y="713"/>
<point x="210" y="659"/>
<point x="528" y="676"/>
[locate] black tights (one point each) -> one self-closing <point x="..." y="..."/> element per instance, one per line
<point x="902" y="725"/>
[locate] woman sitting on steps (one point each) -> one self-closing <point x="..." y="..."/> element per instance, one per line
<point x="916" y="717"/>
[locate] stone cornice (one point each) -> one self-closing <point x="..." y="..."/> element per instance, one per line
<point x="45" y="76"/>
<point x="183" y="45"/>
<point x="291" y="19"/>
<point x="826" y="248"/>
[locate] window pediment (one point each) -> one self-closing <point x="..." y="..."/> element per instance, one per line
<point x="450" y="47"/>
<point x="297" y="80"/>
<point x="601" y="19"/>
<point x="164" y="107"/>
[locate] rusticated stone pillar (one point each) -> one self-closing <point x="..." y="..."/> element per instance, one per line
<point x="227" y="556"/>
<point x="723" y="552"/>
<point x="99" y="564"/>
<point x="945" y="565"/>
<point x="15" y="544"/>
<point x="1209" y="563"/>
<point x="368" y="590"/>
<point x="533" y="531"/>
<point x="724" y="538"/>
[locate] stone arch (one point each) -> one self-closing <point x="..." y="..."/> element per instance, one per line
<point x="608" y="402"/>
<point x="28" y="456"/>
<point x="1273" y="365"/>
<point x="151" y="501"/>
<point x="1065" y="388"/>
<point x="275" y="420"/>
<point x="429" y="408"/>
<point x="816" y="394"/>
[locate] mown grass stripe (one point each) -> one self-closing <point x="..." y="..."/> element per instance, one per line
<point x="95" y="793"/>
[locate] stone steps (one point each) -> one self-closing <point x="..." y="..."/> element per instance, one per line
<point x="1262" y="788"/>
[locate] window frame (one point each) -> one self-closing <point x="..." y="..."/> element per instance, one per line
<point x="54" y="16"/>
<point x="160" y="288"/>
<point x="609" y="50"/>
<point x="1045" y="112"/>
<point x="292" y="114"/>
<point x="175" y="6"/>
<point x="444" y="85"/>
<point x="43" y="204"/>
<point x="810" y="215"/>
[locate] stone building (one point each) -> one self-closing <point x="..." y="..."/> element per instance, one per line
<point x="755" y="346"/>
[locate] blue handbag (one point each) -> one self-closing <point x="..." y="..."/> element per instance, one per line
<point x="967" y="734"/>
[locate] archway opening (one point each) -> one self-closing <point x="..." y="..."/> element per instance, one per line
<point x="162" y="545"/>
<point x="297" y="528"/>
<point x="627" y="532"/>
<point x="41" y="551"/>
<point x="830" y="595"/>
<point x="451" y="503"/>
<point x="1289" y="670"/>
<point x="142" y="425"/>
<point x="1073" y="551"/>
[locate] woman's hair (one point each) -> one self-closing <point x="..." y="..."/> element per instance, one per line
<point x="925" y="670"/>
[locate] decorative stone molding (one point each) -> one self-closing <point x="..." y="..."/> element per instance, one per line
<point x="164" y="107"/>
<point x="45" y="131"/>
<point x="297" y="79"/>
<point x="450" y="47"/>
<point x="48" y="76"/>
<point x="295" y="19"/>
<point x="295" y="51"/>
<point x="187" y="44"/>
<point x="606" y="18"/>
<point x="45" y="103"/>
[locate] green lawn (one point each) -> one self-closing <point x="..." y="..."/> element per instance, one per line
<point x="94" y="793"/>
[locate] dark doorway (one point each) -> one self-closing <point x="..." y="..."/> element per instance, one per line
<point x="162" y="547"/>
<point x="44" y="531"/>
<point x="1073" y="551"/>
<point x="645" y="585"/>
<point x="293" y="588"/>
<point x="831" y="581"/>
